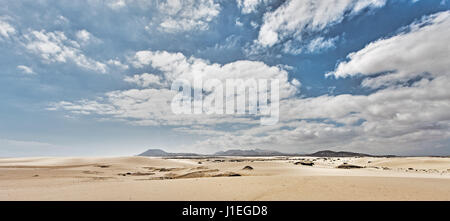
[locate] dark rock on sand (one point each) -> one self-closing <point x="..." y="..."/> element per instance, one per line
<point x="247" y="168"/>
<point x="135" y="174"/>
<point x="227" y="174"/>
<point x="304" y="163"/>
<point x="349" y="166"/>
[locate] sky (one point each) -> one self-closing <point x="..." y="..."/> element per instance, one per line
<point x="92" y="77"/>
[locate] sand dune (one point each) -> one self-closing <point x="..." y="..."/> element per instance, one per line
<point x="271" y="178"/>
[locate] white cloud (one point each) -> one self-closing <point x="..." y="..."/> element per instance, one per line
<point x="25" y="69"/>
<point x="249" y="6"/>
<point x="421" y="48"/>
<point x="402" y="119"/>
<point x="171" y="16"/>
<point x="6" y="30"/>
<point x="177" y="66"/>
<point x="56" y="47"/>
<point x="231" y="42"/>
<point x="398" y="119"/>
<point x="393" y="120"/>
<point x="142" y="107"/>
<point x="294" y="18"/>
<point x="254" y="24"/>
<point x="61" y="20"/>
<point x="320" y="43"/>
<point x="117" y="63"/>
<point x="144" y="80"/>
<point x="316" y="45"/>
<point x="186" y="15"/>
<point x="407" y="118"/>
<point x="239" y="23"/>
<point x="151" y="105"/>
<point x="83" y="35"/>
<point x="116" y="4"/>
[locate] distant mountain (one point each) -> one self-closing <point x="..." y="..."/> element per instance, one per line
<point x="162" y="153"/>
<point x="255" y="152"/>
<point x="259" y="152"/>
<point x="154" y="152"/>
<point x="329" y="153"/>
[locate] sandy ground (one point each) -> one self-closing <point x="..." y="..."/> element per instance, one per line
<point x="272" y="178"/>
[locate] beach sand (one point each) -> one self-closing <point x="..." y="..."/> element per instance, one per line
<point x="269" y="178"/>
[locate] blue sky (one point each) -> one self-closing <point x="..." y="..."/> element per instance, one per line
<point x="373" y="74"/>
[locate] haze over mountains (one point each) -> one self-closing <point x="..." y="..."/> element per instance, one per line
<point x="257" y="152"/>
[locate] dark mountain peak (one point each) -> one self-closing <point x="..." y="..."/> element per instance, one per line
<point x="330" y="153"/>
<point x="154" y="152"/>
<point x="162" y="153"/>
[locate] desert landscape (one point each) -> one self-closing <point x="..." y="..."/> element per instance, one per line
<point x="225" y="178"/>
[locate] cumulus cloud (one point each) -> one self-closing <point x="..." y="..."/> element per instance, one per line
<point x="186" y="15"/>
<point x="400" y="118"/>
<point x="116" y="4"/>
<point x="177" y="66"/>
<point x="144" y="80"/>
<point x="406" y="118"/>
<point x="117" y="63"/>
<point x="294" y="18"/>
<point x="393" y="120"/>
<point x="6" y="29"/>
<point x="146" y="107"/>
<point x="249" y="6"/>
<point x="83" y="35"/>
<point x="171" y="16"/>
<point x="152" y="104"/>
<point x="56" y="47"/>
<point x="420" y="50"/>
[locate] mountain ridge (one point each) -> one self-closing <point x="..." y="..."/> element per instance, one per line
<point x="261" y="152"/>
<point x="162" y="153"/>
